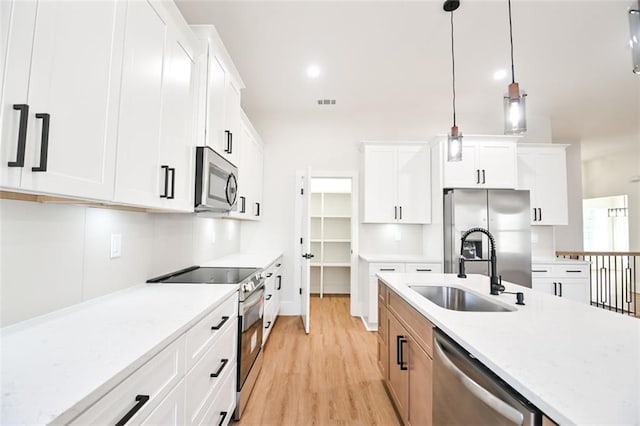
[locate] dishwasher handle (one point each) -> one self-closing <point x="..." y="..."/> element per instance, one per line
<point x="478" y="391"/>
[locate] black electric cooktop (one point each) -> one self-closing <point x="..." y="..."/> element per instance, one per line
<point x="205" y="275"/>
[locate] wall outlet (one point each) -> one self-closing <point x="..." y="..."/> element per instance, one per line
<point x="116" y="246"/>
<point x="398" y="235"/>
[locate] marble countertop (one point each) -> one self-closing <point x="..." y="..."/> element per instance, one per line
<point x="404" y="258"/>
<point x="245" y="260"/>
<point x="577" y="363"/>
<point x="57" y="365"/>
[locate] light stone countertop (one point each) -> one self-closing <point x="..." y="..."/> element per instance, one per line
<point x="557" y="261"/>
<point x="577" y="363"/>
<point x="57" y="365"/>
<point x="245" y="260"/>
<point x="402" y="258"/>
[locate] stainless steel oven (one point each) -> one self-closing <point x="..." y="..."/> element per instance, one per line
<point x="216" y="182"/>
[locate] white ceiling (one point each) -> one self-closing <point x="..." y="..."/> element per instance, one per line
<point x="382" y="58"/>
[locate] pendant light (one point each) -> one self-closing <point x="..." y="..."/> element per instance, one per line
<point x="454" y="139"/>
<point x="515" y="119"/>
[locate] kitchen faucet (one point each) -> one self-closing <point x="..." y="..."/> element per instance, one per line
<point x="496" y="283"/>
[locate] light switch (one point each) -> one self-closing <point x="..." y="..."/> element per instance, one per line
<point x="116" y="246"/>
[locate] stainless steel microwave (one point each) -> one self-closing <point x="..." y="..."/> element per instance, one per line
<point x="216" y="182"/>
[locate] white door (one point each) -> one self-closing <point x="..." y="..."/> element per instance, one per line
<point x="305" y="262"/>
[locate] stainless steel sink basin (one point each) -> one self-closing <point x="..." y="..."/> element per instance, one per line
<point x="457" y="299"/>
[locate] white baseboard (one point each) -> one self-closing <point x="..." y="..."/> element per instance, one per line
<point x="369" y="326"/>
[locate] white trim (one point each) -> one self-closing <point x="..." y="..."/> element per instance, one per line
<point x="368" y="326"/>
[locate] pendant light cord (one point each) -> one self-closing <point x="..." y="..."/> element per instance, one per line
<point x="453" y="72"/>
<point x="513" y="72"/>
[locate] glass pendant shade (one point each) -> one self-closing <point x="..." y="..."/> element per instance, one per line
<point x="454" y="145"/>
<point x="634" y="37"/>
<point x="515" y="112"/>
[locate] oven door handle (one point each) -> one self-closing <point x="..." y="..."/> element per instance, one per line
<point x="253" y="300"/>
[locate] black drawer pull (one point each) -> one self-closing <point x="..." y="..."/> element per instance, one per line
<point x="44" y="143"/>
<point x="140" y="401"/>
<point x="220" y="324"/>
<point x="217" y="373"/>
<point x="228" y="148"/>
<point x="269" y="296"/>
<point x="269" y="275"/>
<point x="423" y="270"/>
<point x="257" y="209"/>
<point x="243" y="204"/>
<point x="173" y="183"/>
<point x="398" y="338"/>
<point x="402" y="363"/>
<point x="224" y="416"/>
<point x="539" y="270"/>
<point x="387" y="269"/>
<point x="268" y="324"/>
<point x="573" y="270"/>
<point x="22" y="135"/>
<point x="279" y="282"/>
<point x="278" y="265"/>
<point x="560" y="293"/>
<point x="165" y="194"/>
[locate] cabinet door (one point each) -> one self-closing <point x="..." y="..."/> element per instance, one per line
<point x="257" y="178"/>
<point x="551" y="187"/>
<point x="420" y="386"/>
<point x="497" y="164"/>
<point x="380" y="184"/>
<point x="232" y="119"/>
<point x="574" y="289"/>
<point x="527" y="179"/>
<point x="245" y="173"/>
<point x="462" y="174"/>
<point x="545" y="285"/>
<point x="139" y="178"/>
<point x="176" y="139"/>
<point x="74" y="78"/>
<point x="414" y="184"/>
<point x="216" y="88"/>
<point x="398" y="366"/>
<point x="171" y="411"/>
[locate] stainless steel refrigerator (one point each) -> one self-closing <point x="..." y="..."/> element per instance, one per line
<point x="505" y="214"/>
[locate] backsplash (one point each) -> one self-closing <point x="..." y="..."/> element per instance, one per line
<point x="56" y="255"/>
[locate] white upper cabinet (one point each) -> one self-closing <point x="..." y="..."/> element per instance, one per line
<point x="485" y="164"/>
<point x="397" y="184"/>
<point x="157" y="111"/>
<point x="60" y="87"/>
<point x="222" y="105"/>
<point x="542" y="169"/>
<point x="250" y="171"/>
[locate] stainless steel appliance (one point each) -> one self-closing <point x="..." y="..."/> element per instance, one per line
<point x="465" y="392"/>
<point x="250" y="318"/>
<point x="216" y="182"/>
<point x="503" y="212"/>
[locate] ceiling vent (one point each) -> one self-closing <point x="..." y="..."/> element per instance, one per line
<point x="326" y="101"/>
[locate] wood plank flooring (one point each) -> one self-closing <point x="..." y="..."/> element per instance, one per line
<point x="329" y="377"/>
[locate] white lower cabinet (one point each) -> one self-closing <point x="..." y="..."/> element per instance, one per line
<point x="273" y="289"/>
<point x="191" y="381"/>
<point x="568" y="280"/>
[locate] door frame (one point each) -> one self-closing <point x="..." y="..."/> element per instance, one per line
<point x="355" y="223"/>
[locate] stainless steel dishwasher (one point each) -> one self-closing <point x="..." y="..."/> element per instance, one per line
<point x="465" y="392"/>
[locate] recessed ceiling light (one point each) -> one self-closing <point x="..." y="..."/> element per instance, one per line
<point x="313" y="71"/>
<point x="500" y="75"/>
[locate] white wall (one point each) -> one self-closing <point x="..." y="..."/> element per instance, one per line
<point x="56" y="255"/>
<point x="569" y="237"/>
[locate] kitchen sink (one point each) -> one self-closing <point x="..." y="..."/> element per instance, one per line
<point x="457" y="299"/>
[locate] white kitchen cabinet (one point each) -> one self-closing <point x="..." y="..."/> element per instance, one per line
<point x="485" y="164"/>
<point x="371" y="305"/>
<point x="170" y="412"/>
<point x="397" y="185"/>
<point x="222" y="103"/>
<point x="62" y="61"/>
<point x="542" y="169"/>
<point x="272" y="297"/>
<point x="569" y="280"/>
<point x="155" y="135"/>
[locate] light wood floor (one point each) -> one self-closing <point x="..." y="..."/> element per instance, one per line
<point x="329" y="377"/>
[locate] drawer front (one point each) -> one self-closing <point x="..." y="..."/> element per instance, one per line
<point x="170" y="412"/>
<point x="541" y="270"/>
<point x="418" y="325"/>
<point x="154" y="379"/>
<point x="423" y="267"/>
<point x="269" y="289"/>
<point x="382" y="293"/>
<point x="201" y="386"/>
<point x="375" y="268"/>
<point x="202" y="335"/>
<point x="220" y="411"/>
<point x="571" y="271"/>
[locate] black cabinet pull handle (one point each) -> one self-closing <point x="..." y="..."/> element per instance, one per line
<point x="539" y="214"/>
<point x="140" y="401"/>
<point x="560" y="286"/>
<point x="395" y="212"/>
<point x="220" y="324"/>
<point x="230" y="142"/>
<point x="402" y="363"/>
<point x="269" y="296"/>
<point x="217" y="373"/>
<point x="269" y="275"/>
<point x="483" y="177"/>
<point x="539" y="270"/>
<point x="257" y="209"/>
<point x="535" y="214"/>
<point x="227" y="149"/>
<point x="22" y="135"/>
<point x="400" y="212"/>
<point x="165" y="194"/>
<point x="278" y="265"/>
<point x="387" y="269"/>
<point x="398" y="359"/>
<point x="423" y="270"/>
<point x="555" y="288"/>
<point x="268" y="324"/>
<point x="573" y="270"/>
<point x="478" y="176"/>
<point x="279" y="282"/>
<point x="44" y="143"/>
<point x="243" y="202"/>
<point x="173" y="183"/>
<point x="224" y="416"/>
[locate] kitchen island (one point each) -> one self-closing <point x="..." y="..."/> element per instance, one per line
<point x="576" y="363"/>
